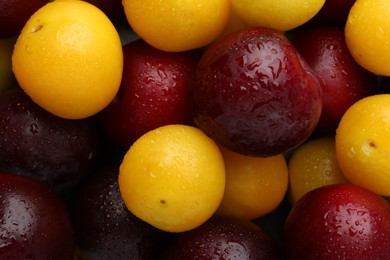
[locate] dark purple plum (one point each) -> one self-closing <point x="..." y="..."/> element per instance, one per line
<point x="254" y="94"/>
<point x="15" y="13"/>
<point x="34" y="222"/>
<point x="223" y="238"/>
<point x="38" y="144"/>
<point x="104" y="228"/>
<point x="339" y="221"/>
<point x="153" y="92"/>
<point x="343" y="80"/>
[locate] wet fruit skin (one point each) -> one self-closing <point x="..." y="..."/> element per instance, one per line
<point x="253" y="94"/>
<point x="153" y="93"/>
<point x="15" y="13"/>
<point x="338" y="221"/>
<point x="223" y="238"/>
<point x="312" y="165"/>
<point x="343" y="80"/>
<point x="173" y="177"/>
<point x="38" y="144"/>
<point x="363" y="146"/>
<point x="176" y="26"/>
<point x="34" y="222"/>
<point x="60" y="37"/>
<point x="367" y="31"/>
<point x="104" y="228"/>
<point x="283" y="15"/>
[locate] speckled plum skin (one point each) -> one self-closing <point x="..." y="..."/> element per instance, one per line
<point x="254" y="94"/>
<point x="343" y="80"/>
<point x="153" y="93"/>
<point x="105" y="228"/>
<point x="223" y="238"/>
<point x="37" y="144"/>
<point x="339" y="221"/>
<point x="34" y="222"/>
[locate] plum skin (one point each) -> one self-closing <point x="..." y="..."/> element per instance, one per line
<point x="104" y="227"/>
<point x="35" y="143"/>
<point x="338" y="221"/>
<point x="34" y="222"/>
<point x="222" y="237"/>
<point x="343" y="80"/>
<point x="254" y="94"/>
<point x="153" y="93"/>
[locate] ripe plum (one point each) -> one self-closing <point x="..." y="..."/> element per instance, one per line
<point x="38" y="144"/>
<point x="105" y="228"/>
<point x="338" y="221"/>
<point x="34" y="222"/>
<point x="254" y="94"/>
<point x="343" y="80"/>
<point x="153" y="92"/>
<point x="223" y="238"/>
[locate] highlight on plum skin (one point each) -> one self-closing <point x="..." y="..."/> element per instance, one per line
<point x="34" y="221"/>
<point x="37" y="144"/>
<point x="254" y="94"/>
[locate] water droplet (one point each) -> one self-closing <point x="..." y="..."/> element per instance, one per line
<point x="179" y="160"/>
<point x="352" y="232"/>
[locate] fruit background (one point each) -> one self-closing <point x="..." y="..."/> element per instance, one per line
<point x="226" y="129"/>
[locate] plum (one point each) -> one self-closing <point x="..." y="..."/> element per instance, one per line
<point x="253" y="93"/>
<point x="338" y="221"/>
<point x="223" y="238"/>
<point x="38" y="144"/>
<point x="104" y="227"/>
<point x="153" y="92"/>
<point x="15" y="13"/>
<point x="34" y="222"/>
<point x="343" y="80"/>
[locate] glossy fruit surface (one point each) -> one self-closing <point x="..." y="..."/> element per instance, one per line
<point x="362" y="143"/>
<point x="254" y="187"/>
<point x="282" y="15"/>
<point x="312" y="165"/>
<point x="253" y="94"/>
<point x="343" y="80"/>
<point x="223" y="238"/>
<point x="153" y="92"/>
<point x="104" y="228"/>
<point x="34" y="223"/>
<point x="68" y="58"/>
<point x="173" y="178"/>
<point x="38" y="144"/>
<point x="367" y="32"/>
<point x="338" y="221"/>
<point x="177" y="25"/>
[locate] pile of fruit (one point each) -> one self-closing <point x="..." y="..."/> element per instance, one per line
<point x="224" y="129"/>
